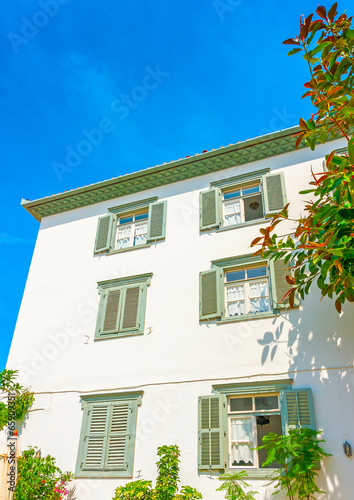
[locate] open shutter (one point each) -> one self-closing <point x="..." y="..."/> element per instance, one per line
<point x="210" y="294"/>
<point x="119" y="437"/>
<point x="104" y="234"/>
<point x="130" y="314"/>
<point x="157" y="221"/>
<point x="274" y="194"/>
<point x="95" y="438"/>
<point x="297" y="409"/>
<point x="279" y="286"/>
<point x="112" y="300"/>
<point x="212" y="431"/>
<point x="210" y="209"/>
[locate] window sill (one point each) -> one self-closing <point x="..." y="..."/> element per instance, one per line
<point x="136" y="247"/>
<point x="254" y="473"/>
<point x="105" y="474"/>
<point x="118" y="335"/>
<point x="242" y="224"/>
<point x="247" y="317"/>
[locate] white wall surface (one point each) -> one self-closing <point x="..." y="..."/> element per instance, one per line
<point x="178" y="358"/>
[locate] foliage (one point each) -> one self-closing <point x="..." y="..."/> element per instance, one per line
<point x="233" y="485"/>
<point x="297" y="453"/>
<point x="39" y="478"/>
<point x="23" y="398"/>
<point x="321" y="245"/>
<point x="166" y="482"/>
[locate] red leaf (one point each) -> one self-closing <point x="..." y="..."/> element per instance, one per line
<point x="255" y="241"/>
<point x="332" y="11"/>
<point x="291" y="298"/>
<point x="321" y="11"/>
<point x="298" y="141"/>
<point x="291" y="41"/>
<point x="290" y="280"/>
<point x="308" y="85"/>
<point x="303" y="124"/>
<point x="338" y="305"/>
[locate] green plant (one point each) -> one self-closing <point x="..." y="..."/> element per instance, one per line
<point x="39" y="478"/>
<point x="23" y="398"/>
<point x="297" y="453"/>
<point x="234" y="485"/>
<point x="321" y="244"/>
<point x="166" y="482"/>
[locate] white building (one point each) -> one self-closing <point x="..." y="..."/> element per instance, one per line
<point x="120" y="354"/>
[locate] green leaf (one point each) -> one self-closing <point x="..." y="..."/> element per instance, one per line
<point x="351" y="150"/>
<point x="349" y="34"/>
<point x="294" y="51"/>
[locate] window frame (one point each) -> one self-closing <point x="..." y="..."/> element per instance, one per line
<point x="132" y="224"/>
<point x="88" y="402"/>
<point x="251" y="182"/>
<point x="122" y="284"/>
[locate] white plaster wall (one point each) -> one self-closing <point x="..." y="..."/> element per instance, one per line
<point x="178" y="359"/>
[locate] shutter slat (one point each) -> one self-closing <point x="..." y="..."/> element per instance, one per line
<point x="210" y="209"/>
<point x="131" y="307"/>
<point x="274" y="193"/>
<point x="297" y="409"/>
<point x="157" y="221"/>
<point x="95" y="438"/>
<point x="104" y="234"/>
<point x="119" y="435"/>
<point x="110" y="323"/>
<point x="211" y="433"/>
<point x="210" y="306"/>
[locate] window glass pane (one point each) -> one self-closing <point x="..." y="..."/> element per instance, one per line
<point x="259" y="305"/>
<point x="235" y="275"/>
<point x="232" y="194"/>
<point x="241" y="404"/>
<point x="267" y="403"/>
<point x="241" y="429"/>
<point x="140" y="234"/>
<point x="250" y="190"/>
<point x="125" y="220"/>
<point x="242" y="455"/>
<point x="123" y="243"/>
<point x="257" y="272"/>
<point x="141" y="217"/>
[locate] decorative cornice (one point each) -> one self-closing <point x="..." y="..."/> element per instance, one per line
<point x="248" y="151"/>
<point x="129" y="280"/>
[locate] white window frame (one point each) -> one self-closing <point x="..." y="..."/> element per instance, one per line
<point x="253" y="414"/>
<point x="132" y="225"/>
<point x="241" y="199"/>
<point x="246" y="287"/>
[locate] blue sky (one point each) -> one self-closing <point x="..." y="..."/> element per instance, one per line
<point x="161" y="80"/>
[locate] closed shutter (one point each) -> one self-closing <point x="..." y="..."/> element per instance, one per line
<point x="212" y="432"/>
<point x="157" y="221"/>
<point x="119" y="436"/>
<point x="279" y="286"/>
<point x="95" y="438"/>
<point x="130" y="314"/>
<point x="210" y="209"/>
<point x="297" y="409"/>
<point x="110" y="318"/>
<point x="104" y="234"/>
<point x="274" y="194"/>
<point x="210" y="283"/>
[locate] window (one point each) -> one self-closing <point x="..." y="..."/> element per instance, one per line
<point x="107" y="440"/>
<point x="131" y="226"/>
<point x="121" y="310"/>
<point x="242" y="200"/>
<point x="235" y="418"/>
<point x="243" y="288"/>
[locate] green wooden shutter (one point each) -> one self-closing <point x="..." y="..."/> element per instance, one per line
<point x="130" y="308"/>
<point x="212" y="432"/>
<point x="279" y="286"/>
<point x="210" y="209"/>
<point x="274" y="194"/>
<point x="95" y="437"/>
<point x="297" y="409"/>
<point x="210" y="283"/>
<point x="157" y="221"/>
<point x="104" y="234"/>
<point x="119" y="436"/>
<point x="110" y="321"/>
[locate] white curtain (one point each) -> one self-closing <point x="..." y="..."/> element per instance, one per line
<point x="237" y="294"/>
<point x="140" y="234"/>
<point x="241" y="430"/>
<point x="123" y="240"/>
<point x="242" y="452"/>
<point x="259" y="297"/>
<point x="232" y="213"/>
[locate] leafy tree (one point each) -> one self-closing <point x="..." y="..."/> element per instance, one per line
<point x="234" y="485"/>
<point x="297" y="453"/>
<point x="320" y="248"/>
<point x="23" y="398"/>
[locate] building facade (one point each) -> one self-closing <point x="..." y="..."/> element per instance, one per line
<point x="147" y="321"/>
